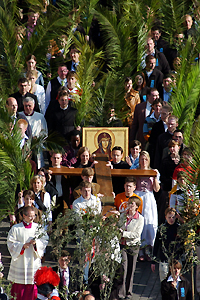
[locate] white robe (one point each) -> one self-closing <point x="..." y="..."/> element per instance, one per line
<point x="38" y="124"/>
<point x="23" y="267"/>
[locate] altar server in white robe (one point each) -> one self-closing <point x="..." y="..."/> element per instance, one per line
<point x="26" y="243"/>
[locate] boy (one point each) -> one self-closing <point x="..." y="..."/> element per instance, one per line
<point x="72" y="85"/>
<point x="133" y="158"/>
<point x="87" y="202"/>
<point x="22" y="126"/>
<point x="121" y="200"/>
<point x="63" y="271"/>
<point x="29" y="198"/>
<point x="87" y="175"/>
<point x="167" y="237"/>
<point x="117" y="163"/>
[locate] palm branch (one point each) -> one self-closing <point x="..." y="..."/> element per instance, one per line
<point x="87" y="71"/>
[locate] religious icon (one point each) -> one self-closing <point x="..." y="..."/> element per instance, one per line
<point x="103" y="139"/>
<point x="104" y="143"/>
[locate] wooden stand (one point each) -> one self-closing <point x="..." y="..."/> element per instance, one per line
<point x="104" y="178"/>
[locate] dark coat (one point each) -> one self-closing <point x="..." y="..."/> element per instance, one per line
<point x="53" y="104"/>
<point x="166" y="173"/>
<point x="157" y="130"/>
<point x="62" y="121"/>
<point x="162" y="143"/>
<point x="73" y="284"/>
<point x="170" y="293"/>
<point x="155" y="80"/>
<point x="138" y="122"/>
<point x="164" y="243"/>
<point x="161" y="62"/>
<point x="118" y="182"/>
<point x="65" y="197"/>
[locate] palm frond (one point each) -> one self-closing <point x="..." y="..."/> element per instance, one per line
<point x="185" y="99"/>
<point x="87" y="71"/>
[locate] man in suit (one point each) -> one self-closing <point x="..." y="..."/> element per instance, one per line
<point x="52" y="89"/>
<point x="157" y="129"/>
<point x="74" y="62"/>
<point x="166" y="91"/>
<point x="164" y="139"/>
<point x="62" y="186"/>
<point x="22" y="94"/>
<point x="63" y="271"/>
<point x="160" y="44"/>
<point x="153" y="76"/>
<point x="142" y="110"/>
<point x="161" y="61"/>
<point x="62" y="120"/>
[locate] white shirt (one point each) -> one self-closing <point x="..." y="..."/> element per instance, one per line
<point x="152" y="116"/>
<point x="40" y="93"/>
<point x="81" y="205"/>
<point x="48" y="91"/>
<point x="148" y="108"/>
<point x="66" y="275"/>
<point x="38" y="123"/>
<point x="23" y="140"/>
<point x="165" y="126"/>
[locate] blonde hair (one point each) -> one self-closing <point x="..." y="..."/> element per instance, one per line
<point x="34" y="179"/>
<point x="146" y="154"/>
<point x="32" y="73"/>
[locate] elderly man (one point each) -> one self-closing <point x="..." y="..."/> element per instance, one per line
<point x="37" y="122"/>
<point x="87" y="202"/>
<point x="26" y="244"/>
<point x="23" y="93"/>
<point x="12" y="107"/>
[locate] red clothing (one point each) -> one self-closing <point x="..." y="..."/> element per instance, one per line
<point x="181" y="167"/>
<point x="24" y="291"/>
<point x="121" y="202"/>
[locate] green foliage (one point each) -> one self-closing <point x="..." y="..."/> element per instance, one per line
<point x="185" y="99"/>
<point x="81" y="233"/>
<point x="14" y="167"/>
<point x="172" y="13"/>
<point x="87" y="71"/>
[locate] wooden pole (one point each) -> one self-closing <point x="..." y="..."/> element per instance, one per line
<point x="192" y="280"/>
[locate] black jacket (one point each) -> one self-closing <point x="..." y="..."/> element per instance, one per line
<point x="170" y="293"/>
<point x="164" y="244"/>
<point x="162" y="143"/>
<point x="62" y="121"/>
<point x="155" y="80"/>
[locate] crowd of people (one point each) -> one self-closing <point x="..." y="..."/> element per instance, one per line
<point x="145" y="205"/>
